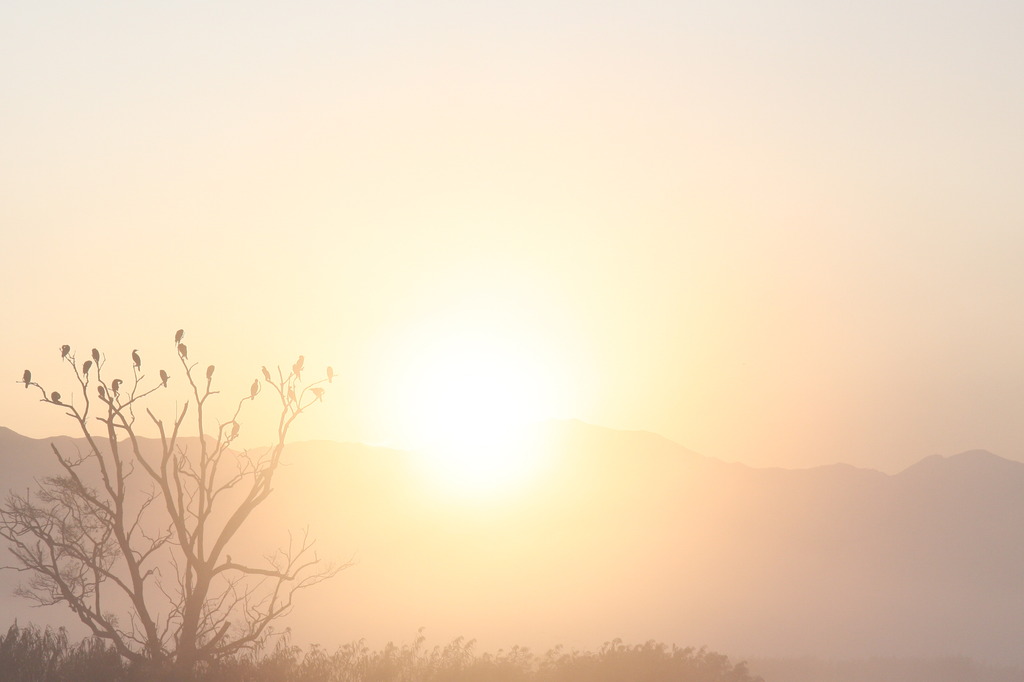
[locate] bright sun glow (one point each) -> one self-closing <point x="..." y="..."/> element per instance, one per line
<point x="466" y="400"/>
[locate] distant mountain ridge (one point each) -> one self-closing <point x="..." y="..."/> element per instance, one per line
<point x="629" y="534"/>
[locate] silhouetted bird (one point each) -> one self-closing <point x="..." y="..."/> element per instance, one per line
<point x="254" y="389"/>
<point x="163" y="378"/>
<point x="209" y="372"/>
<point x="330" y="375"/>
<point x="178" y="336"/>
<point x="55" y="397"/>
<point x="86" y="366"/>
<point x="183" y="350"/>
<point x="64" y="350"/>
<point x="319" y="393"/>
<point x="95" y="355"/>
<point x="266" y="373"/>
<point x="234" y="430"/>
<point x="115" y="385"/>
<point x="103" y="394"/>
<point x="291" y="394"/>
<point x="27" y="378"/>
<point x="136" y="359"/>
<point x="297" y="367"/>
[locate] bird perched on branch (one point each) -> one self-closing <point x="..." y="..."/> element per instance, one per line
<point x="297" y="367"/>
<point x="209" y="372"/>
<point x="183" y="350"/>
<point x="330" y="375"/>
<point x="86" y="366"/>
<point x="64" y="350"/>
<point x="95" y="355"/>
<point x="254" y="389"/>
<point x="319" y="393"/>
<point x="115" y="386"/>
<point x="27" y="378"/>
<point x="164" y="378"/>
<point x="55" y="397"/>
<point x="266" y="373"/>
<point x="136" y="359"/>
<point x="178" y="336"/>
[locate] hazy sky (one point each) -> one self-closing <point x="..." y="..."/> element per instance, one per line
<point x="784" y="233"/>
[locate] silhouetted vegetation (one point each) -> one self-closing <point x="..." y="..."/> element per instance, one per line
<point x="30" y="654"/>
<point x="44" y="655"/>
<point x="136" y="541"/>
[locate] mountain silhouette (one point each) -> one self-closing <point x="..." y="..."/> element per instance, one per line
<point x="627" y="534"/>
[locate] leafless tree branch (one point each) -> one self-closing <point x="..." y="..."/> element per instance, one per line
<point x="102" y="536"/>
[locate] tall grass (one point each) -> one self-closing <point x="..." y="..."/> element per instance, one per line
<point x="35" y="655"/>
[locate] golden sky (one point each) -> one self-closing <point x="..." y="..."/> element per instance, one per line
<point x="784" y="233"/>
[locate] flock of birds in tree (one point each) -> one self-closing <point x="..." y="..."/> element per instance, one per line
<point x="115" y="385"/>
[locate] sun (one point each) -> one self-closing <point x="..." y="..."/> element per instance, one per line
<point x="465" y="400"/>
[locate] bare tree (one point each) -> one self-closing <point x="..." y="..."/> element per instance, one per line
<point x="133" y="533"/>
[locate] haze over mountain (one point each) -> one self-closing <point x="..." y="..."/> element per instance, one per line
<point x="627" y="534"/>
